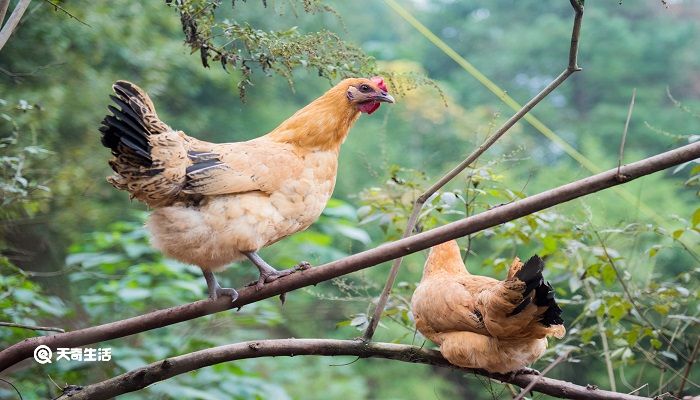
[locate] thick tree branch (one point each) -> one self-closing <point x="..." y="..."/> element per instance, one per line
<point x="164" y="369"/>
<point x="420" y="201"/>
<point x="356" y="262"/>
<point x="527" y="389"/>
<point x="12" y="22"/>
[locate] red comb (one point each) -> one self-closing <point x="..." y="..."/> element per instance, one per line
<point x="380" y="82"/>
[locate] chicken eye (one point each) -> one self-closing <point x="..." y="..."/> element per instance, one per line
<point x="365" y="88"/>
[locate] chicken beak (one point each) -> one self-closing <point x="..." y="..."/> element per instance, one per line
<point x="384" y="97"/>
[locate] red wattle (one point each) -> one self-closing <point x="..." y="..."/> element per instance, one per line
<point x="368" y="107"/>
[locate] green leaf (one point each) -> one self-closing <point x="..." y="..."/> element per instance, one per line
<point x="342" y="323"/>
<point x="695" y="220"/>
<point x="662" y="309"/>
<point x="354" y="233"/>
<point x="359" y="321"/>
<point x="131" y="294"/>
<point x="653" y="250"/>
<point x="312" y="237"/>
<point x="522" y="236"/>
<point x="363" y="212"/>
<point x="678" y="233"/>
<point x="682" y="291"/>
<point x="574" y="283"/>
<point x="340" y="209"/>
<point x="627" y="354"/>
<point x="616" y="312"/>
<point x="608" y="274"/>
<point x="532" y="222"/>
<point x="593" y="270"/>
<point x="632" y="336"/>
<point x="594" y="305"/>
<point x="669" y="354"/>
<point x="550" y="244"/>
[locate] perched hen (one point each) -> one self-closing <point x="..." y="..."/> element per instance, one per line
<point x="218" y="203"/>
<point x="481" y="322"/>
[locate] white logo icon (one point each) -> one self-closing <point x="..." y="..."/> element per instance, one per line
<point x="42" y="354"/>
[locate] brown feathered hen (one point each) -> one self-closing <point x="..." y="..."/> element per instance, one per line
<point x="481" y="322"/>
<point x="218" y="203"/>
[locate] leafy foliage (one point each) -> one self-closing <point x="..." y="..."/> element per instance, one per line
<point x="21" y="182"/>
<point x="239" y="45"/>
<point x="244" y="47"/>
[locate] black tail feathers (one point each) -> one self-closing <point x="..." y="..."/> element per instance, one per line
<point x="544" y="296"/>
<point x="531" y="274"/>
<point x="124" y="132"/>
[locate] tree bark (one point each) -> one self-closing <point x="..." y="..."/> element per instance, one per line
<point x="13" y="21"/>
<point x="170" y="367"/>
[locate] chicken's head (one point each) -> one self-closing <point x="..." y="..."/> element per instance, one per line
<point x="366" y="94"/>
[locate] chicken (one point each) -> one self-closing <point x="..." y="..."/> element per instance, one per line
<point x="214" y="204"/>
<point x="481" y="322"/>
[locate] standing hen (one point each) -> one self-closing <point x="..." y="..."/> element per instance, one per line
<point x="481" y="322"/>
<point x="218" y="203"/>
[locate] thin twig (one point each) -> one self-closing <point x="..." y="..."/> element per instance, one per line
<point x="58" y="7"/>
<point x="21" y="75"/>
<point x="3" y="10"/>
<point x="687" y="368"/>
<point x="575" y="34"/>
<point x="355" y="262"/>
<point x="12" y="22"/>
<point x="542" y="374"/>
<point x="624" y="131"/>
<point x="603" y="340"/>
<point x="680" y="105"/>
<point x="8" y="382"/>
<point x="664" y="366"/>
<point x="418" y="205"/>
<point x="32" y="327"/>
<point x="639" y="388"/>
<point x="167" y="368"/>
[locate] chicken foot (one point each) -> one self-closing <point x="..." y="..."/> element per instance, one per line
<point x="215" y="290"/>
<point x="523" y="371"/>
<point x="268" y="273"/>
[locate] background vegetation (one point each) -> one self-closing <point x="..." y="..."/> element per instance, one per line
<point x="74" y="253"/>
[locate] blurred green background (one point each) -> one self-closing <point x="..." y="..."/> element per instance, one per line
<point x="75" y="254"/>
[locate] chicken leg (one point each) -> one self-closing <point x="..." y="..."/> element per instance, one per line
<point x="268" y="273"/>
<point x="215" y="290"/>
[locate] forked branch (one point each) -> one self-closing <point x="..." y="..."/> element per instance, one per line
<point x="165" y="369"/>
<point x="420" y="201"/>
<point x="356" y="262"/>
<point x="12" y="21"/>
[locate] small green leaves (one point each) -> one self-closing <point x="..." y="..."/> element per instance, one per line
<point x="241" y="47"/>
<point x="695" y="219"/>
